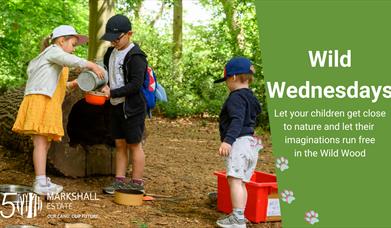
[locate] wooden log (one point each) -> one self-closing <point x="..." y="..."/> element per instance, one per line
<point x="78" y="160"/>
<point x="9" y="105"/>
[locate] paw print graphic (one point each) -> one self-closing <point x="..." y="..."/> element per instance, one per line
<point x="311" y="217"/>
<point x="287" y="196"/>
<point x="282" y="163"/>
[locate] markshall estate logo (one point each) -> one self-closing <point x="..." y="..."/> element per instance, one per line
<point x="73" y="196"/>
<point x="64" y="202"/>
<point x="27" y="205"/>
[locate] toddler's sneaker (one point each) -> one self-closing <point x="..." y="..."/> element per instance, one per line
<point x="48" y="188"/>
<point x="231" y="221"/>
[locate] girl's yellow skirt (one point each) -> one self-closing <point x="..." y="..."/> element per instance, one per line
<point x="41" y="115"/>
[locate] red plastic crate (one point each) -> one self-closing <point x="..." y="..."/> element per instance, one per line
<point x="258" y="189"/>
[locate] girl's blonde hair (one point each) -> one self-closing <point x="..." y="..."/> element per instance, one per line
<point x="47" y="41"/>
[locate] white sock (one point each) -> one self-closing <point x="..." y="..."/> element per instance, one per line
<point x="41" y="179"/>
<point x="238" y="213"/>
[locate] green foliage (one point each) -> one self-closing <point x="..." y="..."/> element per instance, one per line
<point x="24" y="24"/>
<point x="221" y="44"/>
<point x="206" y="49"/>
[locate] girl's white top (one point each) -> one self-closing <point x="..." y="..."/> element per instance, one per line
<point x="44" y="70"/>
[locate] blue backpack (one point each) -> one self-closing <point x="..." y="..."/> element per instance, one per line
<point x="151" y="89"/>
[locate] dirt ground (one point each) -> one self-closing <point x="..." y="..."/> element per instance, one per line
<point x="181" y="156"/>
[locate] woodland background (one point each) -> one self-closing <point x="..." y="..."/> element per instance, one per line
<point x="186" y="56"/>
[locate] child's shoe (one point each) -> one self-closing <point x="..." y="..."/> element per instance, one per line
<point x="48" y="188"/>
<point x="134" y="186"/>
<point x="231" y="221"/>
<point x="116" y="185"/>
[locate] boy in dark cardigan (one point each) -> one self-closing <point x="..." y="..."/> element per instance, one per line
<point x="126" y="64"/>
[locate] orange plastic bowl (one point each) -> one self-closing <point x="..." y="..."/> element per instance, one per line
<point x="95" y="98"/>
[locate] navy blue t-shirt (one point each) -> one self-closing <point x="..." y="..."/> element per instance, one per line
<point x="238" y="115"/>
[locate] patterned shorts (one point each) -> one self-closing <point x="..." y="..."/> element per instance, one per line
<point x="243" y="158"/>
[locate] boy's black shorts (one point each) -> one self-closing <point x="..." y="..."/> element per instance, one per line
<point x="132" y="130"/>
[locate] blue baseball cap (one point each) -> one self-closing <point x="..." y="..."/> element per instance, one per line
<point x="235" y="66"/>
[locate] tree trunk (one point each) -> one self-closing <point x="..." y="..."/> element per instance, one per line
<point x="100" y="12"/>
<point x="137" y="8"/>
<point x="177" y="40"/>
<point x="229" y="10"/>
<point x="80" y="159"/>
<point x="158" y="16"/>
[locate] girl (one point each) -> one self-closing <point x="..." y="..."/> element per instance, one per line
<point x="40" y="113"/>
